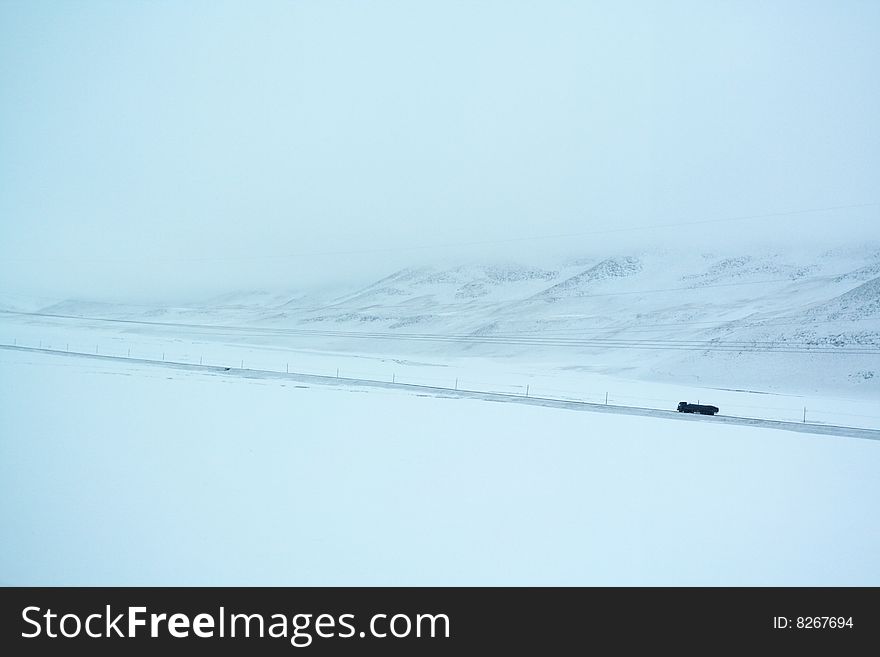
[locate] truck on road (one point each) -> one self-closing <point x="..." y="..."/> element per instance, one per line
<point x="702" y="409"/>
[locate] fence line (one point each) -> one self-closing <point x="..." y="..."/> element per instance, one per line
<point x="461" y="384"/>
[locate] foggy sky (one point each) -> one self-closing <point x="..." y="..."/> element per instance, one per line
<point x="165" y="149"/>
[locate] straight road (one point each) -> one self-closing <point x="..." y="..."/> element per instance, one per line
<point x="822" y="429"/>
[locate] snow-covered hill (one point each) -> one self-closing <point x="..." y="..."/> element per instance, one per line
<point x="766" y="310"/>
<point x="778" y="320"/>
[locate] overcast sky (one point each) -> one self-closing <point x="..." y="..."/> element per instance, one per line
<point x="163" y="149"/>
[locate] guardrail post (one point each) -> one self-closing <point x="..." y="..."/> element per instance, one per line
<point x="456" y="383"/>
<point x="606" y="399"/>
<point x="527" y="390"/>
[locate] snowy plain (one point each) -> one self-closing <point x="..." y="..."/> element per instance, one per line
<point x="778" y="334"/>
<point x="117" y="474"/>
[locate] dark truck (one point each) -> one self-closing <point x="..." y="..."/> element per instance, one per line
<point x="702" y="409"/>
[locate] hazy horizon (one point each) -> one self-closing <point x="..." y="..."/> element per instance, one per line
<point x="172" y="151"/>
<point x="326" y="285"/>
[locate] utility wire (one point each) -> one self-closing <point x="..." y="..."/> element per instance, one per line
<point x="502" y="340"/>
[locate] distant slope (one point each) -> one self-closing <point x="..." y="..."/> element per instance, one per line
<point x="581" y="284"/>
<point x="626" y="314"/>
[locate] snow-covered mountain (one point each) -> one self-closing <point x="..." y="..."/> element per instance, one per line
<point x="776" y="320"/>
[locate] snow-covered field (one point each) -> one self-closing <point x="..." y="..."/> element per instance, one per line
<point x="119" y="472"/>
<point x="783" y="322"/>
<point x="784" y="336"/>
<point x="116" y="473"/>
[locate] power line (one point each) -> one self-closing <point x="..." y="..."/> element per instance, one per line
<point x="715" y="345"/>
<point x="720" y="324"/>
<point x="502" y="340"/>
